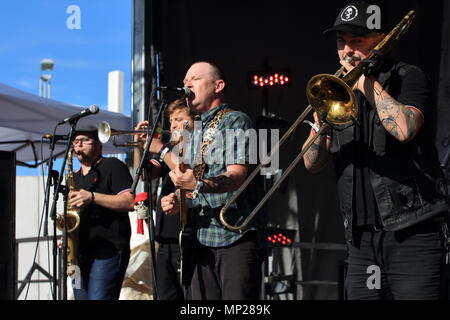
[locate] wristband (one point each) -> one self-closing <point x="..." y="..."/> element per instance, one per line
<point x="313" y="125"/>
<point x="93" y="197"/>
<point x="315" y="129"/>
<point x="163" y="153"/>
<point x="197" y="189"/>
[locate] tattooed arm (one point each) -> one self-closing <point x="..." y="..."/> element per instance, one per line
<point x="317" y="155"/>
<point x="228" y="181"/>
<point x="400" y="121"/>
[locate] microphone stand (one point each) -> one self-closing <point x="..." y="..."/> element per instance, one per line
<point x="51" y="180"/>
<point x="59" y="188"/>
<point x="148" y="189"/>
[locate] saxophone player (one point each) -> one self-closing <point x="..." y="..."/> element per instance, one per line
<point x="104" y="199"/>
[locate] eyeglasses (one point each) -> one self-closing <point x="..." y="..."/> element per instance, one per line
<point x="82" y="140"/>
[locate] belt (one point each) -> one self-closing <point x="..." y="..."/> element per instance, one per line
<point x="433" y="224"/>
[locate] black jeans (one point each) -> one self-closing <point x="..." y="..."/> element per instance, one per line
<point x="397" y="265"/>
<point x="228" y="273"/>
<point x="167" y="264"/>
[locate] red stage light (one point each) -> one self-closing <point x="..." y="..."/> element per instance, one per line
<point x="280" y="237"/>
<point x="265" y="80"/>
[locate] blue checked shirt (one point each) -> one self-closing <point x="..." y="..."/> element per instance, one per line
<point x="234" y="143"/>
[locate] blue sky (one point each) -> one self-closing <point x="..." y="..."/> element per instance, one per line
<point x="36" y="29"/>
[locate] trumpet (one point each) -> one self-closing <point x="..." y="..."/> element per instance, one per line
<point x="332" y="97"/>
<point x="105" y="132"/>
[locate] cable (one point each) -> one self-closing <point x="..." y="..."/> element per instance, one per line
<point x="46" y="187"/>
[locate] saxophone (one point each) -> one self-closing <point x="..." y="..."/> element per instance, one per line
<point x="73" y="221"/>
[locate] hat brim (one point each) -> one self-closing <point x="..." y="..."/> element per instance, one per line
<point x="347" y="28"/>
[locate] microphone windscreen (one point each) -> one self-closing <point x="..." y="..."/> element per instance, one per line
<point x="94" y="109"/>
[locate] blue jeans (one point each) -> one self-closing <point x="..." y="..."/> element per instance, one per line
<point x="397" y="265"/>
<point x="101" y="278"/>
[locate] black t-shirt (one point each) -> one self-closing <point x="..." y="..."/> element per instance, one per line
<point x="167" y="226"/>
<point x="411" y="89"/>
<point x="102" y="230"/>
<point x="365" y="204"/>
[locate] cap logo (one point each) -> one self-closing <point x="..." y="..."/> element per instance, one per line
<point x="349" y="13"/>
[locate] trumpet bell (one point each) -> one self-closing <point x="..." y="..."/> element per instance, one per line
<point x="104" y="131"/>
<point x="332" y="99"/>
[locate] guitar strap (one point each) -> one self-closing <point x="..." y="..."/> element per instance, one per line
<point x="200" y="165"/>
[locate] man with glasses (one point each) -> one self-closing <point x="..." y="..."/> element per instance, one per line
<point x="103" y="195"/>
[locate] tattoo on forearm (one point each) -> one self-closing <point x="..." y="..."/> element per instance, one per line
<point x="218" y="184"/>
<point x="316" y="156"/>
<point x="390" y="112"/>
<point x="410" y="118"/>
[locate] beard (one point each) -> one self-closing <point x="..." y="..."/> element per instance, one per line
<point x="86" y="158"/>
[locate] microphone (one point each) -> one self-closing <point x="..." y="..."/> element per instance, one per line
<point x="56" y="137"/>
<point x="183" y="92"/>
<point x="93" y="109"/>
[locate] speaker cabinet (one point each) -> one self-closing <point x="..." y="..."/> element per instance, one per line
<point x="7" y="225"/>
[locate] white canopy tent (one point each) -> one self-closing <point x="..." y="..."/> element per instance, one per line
<point x="26" y="118"/>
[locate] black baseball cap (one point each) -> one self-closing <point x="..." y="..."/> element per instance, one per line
<point x="355" y="18"/>
<point x="87" y="129"/>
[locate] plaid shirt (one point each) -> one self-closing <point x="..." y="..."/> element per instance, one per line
<point x="223" y="151"/>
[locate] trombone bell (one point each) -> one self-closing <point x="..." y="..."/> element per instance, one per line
<point x="332" y="99"/>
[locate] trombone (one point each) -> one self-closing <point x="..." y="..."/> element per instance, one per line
<point x="332" y="97"/>
<point x="105" y="132"/>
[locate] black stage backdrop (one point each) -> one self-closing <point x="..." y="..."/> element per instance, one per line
<point x="243" y="36"/>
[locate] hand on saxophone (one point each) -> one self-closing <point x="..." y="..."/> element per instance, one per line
<point x="80" y="198"/>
